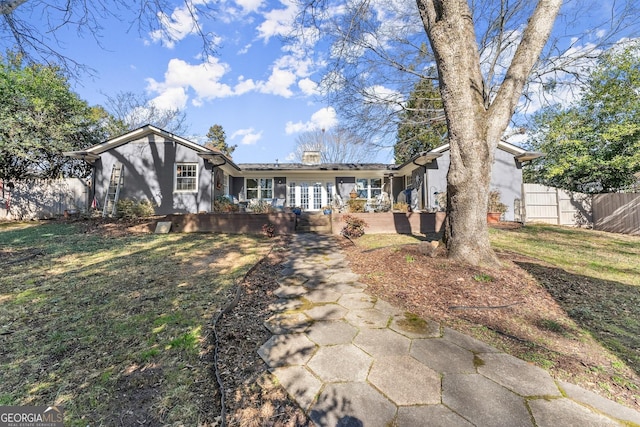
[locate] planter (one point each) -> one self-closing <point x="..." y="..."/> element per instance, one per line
<point x="493" y="217"/>
<point x="326" y="211"/>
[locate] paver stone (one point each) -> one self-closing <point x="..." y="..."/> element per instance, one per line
<point x="301" y="384"/>
<point x="352" y="404"/>
<point x="517" y="375"/>
<point x="483" y="402"/>
<point x="443" y="356"/>
<point x="331" y="332"/>
<point x="284" y="350"/>
<point x="405" y="381"/>
<point x="382" y="342"/>
<point x="344" y="362"/>
<point x="565" y="412"/>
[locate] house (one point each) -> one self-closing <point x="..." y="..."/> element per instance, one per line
<point x="180" y="176"/>
<point x="175" y="174"/>
<point x="429" y="176"/>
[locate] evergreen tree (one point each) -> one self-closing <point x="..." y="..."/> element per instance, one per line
<point x="594" y="145"/>
<point x="422" y="125"/>
<point x="40" y="118"/>
<point x="217" y="140"/>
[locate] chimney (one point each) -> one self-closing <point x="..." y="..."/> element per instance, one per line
<point x="311" y="158"/>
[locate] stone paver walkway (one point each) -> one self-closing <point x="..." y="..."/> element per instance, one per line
<point x="351" y="360"/>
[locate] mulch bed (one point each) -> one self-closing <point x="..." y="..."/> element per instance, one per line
<point x="252" y="396"/>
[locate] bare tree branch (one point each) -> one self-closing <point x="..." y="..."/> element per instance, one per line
<point x="335" y="146"/>
<point x="41" y="43"/>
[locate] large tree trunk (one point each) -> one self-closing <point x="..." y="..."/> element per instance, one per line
<point x="475" y="122"/>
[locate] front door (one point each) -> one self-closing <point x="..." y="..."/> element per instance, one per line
<point x="310" y="196"/>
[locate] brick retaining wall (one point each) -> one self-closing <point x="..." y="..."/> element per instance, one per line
<point x="232" y="223"/>
<point x="392" y="222"/>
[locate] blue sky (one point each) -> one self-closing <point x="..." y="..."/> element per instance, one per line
<point x="260" y="91"/>
<point x="258" y="87"/>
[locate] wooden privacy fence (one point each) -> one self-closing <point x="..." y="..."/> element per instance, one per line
<point x="617" y="212"/>
<point x="552" y="205"/>
<point x="37" y="199"/>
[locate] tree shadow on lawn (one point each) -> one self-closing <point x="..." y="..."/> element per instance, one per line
<point x="113" y="327"/>
<point x="609" y="310"/>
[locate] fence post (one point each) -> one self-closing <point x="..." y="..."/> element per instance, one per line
<point x="558" y="208"/>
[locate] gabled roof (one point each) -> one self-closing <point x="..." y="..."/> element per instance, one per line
<point x="519" y="153"/>
<point x="217" y="158"/>
<point x="93" y="153"/>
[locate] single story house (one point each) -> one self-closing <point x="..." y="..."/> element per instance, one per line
<point x="181" y="176"/>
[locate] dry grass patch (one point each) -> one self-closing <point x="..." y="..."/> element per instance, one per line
<point x="114" y="327"/>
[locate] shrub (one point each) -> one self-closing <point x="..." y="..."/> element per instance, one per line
<point x="401" y="206"/>
<point x="354" y="227"/>
<point x="269" y="229"/>
<point x="128" y="208"/>
<point x="223" y="204"/>
<point x="495" y="205"/>
<point x="260" y="206"/>
<point x="356" y="205"/>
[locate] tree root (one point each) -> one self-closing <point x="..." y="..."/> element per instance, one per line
<point x="482" y="307"/>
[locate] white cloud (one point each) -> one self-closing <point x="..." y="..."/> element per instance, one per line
<point x="278" y="22"/>
<point x="379" y="94"/>
<point x="308" y="87"/>
<point x="248" y="136"/>
<point x="244" y="86"/>
<point x="559" y="74"/>
<point x="174" y="28"/>
<point x="324" y="118"/>
<point x="174" y="97"/>
<point x="249" y="5"/>
<point x="203" y="78"/>
<point x="289" y="73"/>
<point x="279" y="83"/>
<point x="245" y="49"/>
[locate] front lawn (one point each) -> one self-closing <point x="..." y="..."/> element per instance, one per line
<point x="114" y="327"/>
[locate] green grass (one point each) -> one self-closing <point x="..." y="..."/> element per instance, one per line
<point x="589" y="253"/>
<point x="377" y="241"/>
<point x="594" y="276"/>
<point x="482" y="277"/>
<point x="96" y="318"/>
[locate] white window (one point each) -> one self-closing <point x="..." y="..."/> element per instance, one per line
<point x="259" y="188"/>
<point x="375" y="187"/>
<point x="292" y="194"/>
<point x="304" y="195"/>
<point x="186" y="177"/>
<point x="368" y="188"/>
<point x="317" y="195"/>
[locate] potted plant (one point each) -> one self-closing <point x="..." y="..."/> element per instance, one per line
<point x="400" y="207"/>
<point x="495" y="207"/>
<point x="326" y="210"/>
